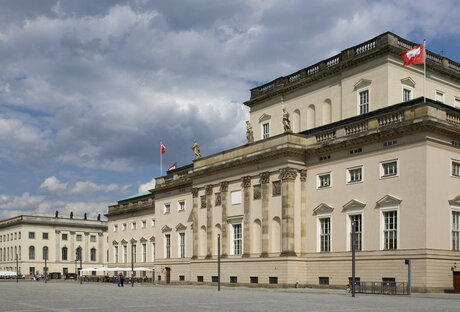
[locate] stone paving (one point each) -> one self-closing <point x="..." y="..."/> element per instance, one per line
<point x="71" y="296"/>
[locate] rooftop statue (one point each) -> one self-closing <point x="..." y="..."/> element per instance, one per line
<point x="196" y="149"/>
<point x="249" y="132"/>
<point x="286" y="121"/>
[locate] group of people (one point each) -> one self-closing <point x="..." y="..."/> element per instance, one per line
<point x="120" y="279"/>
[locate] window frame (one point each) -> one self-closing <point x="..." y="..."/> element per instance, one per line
<point x="383" y="211"/>
<point x="319" y="245"/>
<point x="318" y="180"/>
<point x="181" y="251"/>
<point x="349" y="175"/>
<point x="31" y="235"/>
<point x="359" y="105"/>
<point x="166" y="208"/>
<point x="382" y="174"/>
<point x="441" y="96"/>
<point x="181" y="208"/>
<point x="411" y="92"/>
<point x="454" y="164"/>
<point x="167" y="238"/>
<point x="351" y="215"/>
<point x="454" y="210"/>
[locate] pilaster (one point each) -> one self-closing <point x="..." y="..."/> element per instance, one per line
<point x="224" y="204"/>
<point x="265" y="201"/>
<point x="288" y="176"/>
<point x="209" y="197"/>
<point x="246" y="182"/>
<point x="196" y="202"/>
<point x="303" y="211"/>
<point x="57" y="245"/>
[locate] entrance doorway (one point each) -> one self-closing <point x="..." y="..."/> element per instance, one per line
<point x="457" y="282"/>
<point x="168" y="275"/>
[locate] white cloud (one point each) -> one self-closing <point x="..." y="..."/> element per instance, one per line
<point x="53" y="184"/>
<point x="146" y="186"/>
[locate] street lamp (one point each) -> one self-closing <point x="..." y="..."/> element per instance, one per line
<point x="17" y="268"/>
<point x="353" y="246"/>
<point x="132" y="264"/>
<point x="218" y="262"/>
<point x="81" y="267"/>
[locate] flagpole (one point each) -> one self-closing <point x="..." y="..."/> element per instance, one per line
<point x="424" y="70"/>
<point x="161" y="158"/>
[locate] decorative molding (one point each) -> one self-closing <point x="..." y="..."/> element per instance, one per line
<point x="133" y="240"/>
<point x="455" y="201"/>
<point x="264" y="177"/>
<point x="303" y="175"/>
<point x="224" y="186"/>
<point x="322" y="209"/>
<point x="166" y="229"/>
<point x="361" y="84"/>
<point x="180" y="227"/>
<point x="143" y="239"/>
<point x="408" y="81"/>
<point x="235" y="219"/>
<point x="264" y="117"/>
<point x="276" y="188"/>
<point x="388" y="201"/>
<point x="152" y="239"/>
<point x="115" y="242"/>
<point x="124" y="241"/>
<point x="218" y="199"/>
<point x="288" y="174"/>
<point x="257" y="193"/>
<point x="203" y="201"/>
<point x="195" y="192"/>
<point x="353" y="205"/>
<point x="209" y="190"/>
<point x="246" y="181"/>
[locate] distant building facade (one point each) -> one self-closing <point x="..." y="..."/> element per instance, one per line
<point x="59" y="240"/>
<point x="363" y="149"/>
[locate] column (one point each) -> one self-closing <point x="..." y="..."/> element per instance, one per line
<point x="100" y="246"/>
<point x="209" y="192"/>
<point x="58" y="246"/>
<point x="72" y="252"/>
<point x="303" y="211"/>
<point x="265" y="189"/>
<point x="288" y="176"/>
<point x="247" y="216"/>
<point x="196" y="202"/>
<point x="224" y="204"/>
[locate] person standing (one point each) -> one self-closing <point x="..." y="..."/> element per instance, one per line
<point x="118" y="279"/>
<point x="122" y="279"/>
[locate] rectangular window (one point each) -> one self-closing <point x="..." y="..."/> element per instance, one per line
<point x="93" y="254"/>
<point x="254" y="279"/>
<point x="323" y="280"/>
<point x="389" y="169"/>
<point x="92" y="238"/>
<point x="125" y="253"/>
<point x="134" y="253"/>
<point x="115" y="254"/>
<point x="64" y="237"/>
<point x="354" y="175"/>
<point x="168" y="245"/>
<point x="390" y="230"/>
<point x="236" y="197"/>
<point x="167" y="208"/>
<point x="79" y="237"/>
<point x="233" y="279"/>
<point x="200" y="279"/>
<point x="237" y="239"/>
<point x="182" y="245"/>
<point x="44" y="235"/>
<point x="356" y="221"/>
<point x="144" y="224"/>
<point x="439" y="96"/>
<point x="363" y="102"/>
<point x="153" y="223"/>
<point x="325" y="234"/>
<point x="153" y="252"/>
<point x="265" y="130"/>
<point x="64" y="253"/>
<point x="31" y="235"/>
<point x="123" y="227"/>
<point x="133" y="225"/>
<point x="455" y="169"/>
<point x="407" y="96"/>
<point x="323" y="180"/>
<point x="273" y="279"/>
<point x="115" y="228"/>
<point x="181" y="277"/>
<point x="455" y="230"/>
<point x="144" y="252"/>
<point x="181" y="205"/>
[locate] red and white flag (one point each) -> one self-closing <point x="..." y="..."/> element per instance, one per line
<point x="173" y="167"/>
<point x="163" y="148"/>
<point x="413" y="56"/>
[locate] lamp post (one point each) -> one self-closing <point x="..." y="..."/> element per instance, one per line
<point x="76" y="273"/>
<point x="132" y="264"/>
<point x="353" y="245"/>
<point x="46" y="269"/>
<point x="218" y="262"/>
<point x="81" y="267"/>
<point x="17" y="269"/>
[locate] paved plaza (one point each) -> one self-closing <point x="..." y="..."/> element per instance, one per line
<point x="71" y="296"/>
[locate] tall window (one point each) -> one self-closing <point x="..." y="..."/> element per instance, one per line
<point x="134" y="251"/>
<point x="45" y="253"/>
<point x="363" y="102"/>
<point x="115" y="254"/>
<point x="390" y="229"/>
<point x="168" y="245"/>
<point x="407" y="96"/>
<point x="64" y="254"/>
<point x="93" y="254"/>
<point x="31" y="253"/>
<point x="265" y="130"/>
<point x="237" y="239"/>
<point x="455" y="230"/>
<point x="325" y="234"/>
<point x="78" y="254"/>
<point x="356" y="221"/>
<point x="456" y="168"/>
<point x="153" y="252"/>
<point x="125" y="253"/>
<point x="144" y="252"/>
<point x="182" y="245"/>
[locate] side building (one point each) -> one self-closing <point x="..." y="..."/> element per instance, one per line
<point x="359" y="148"/>
<point x="29" y="240"/>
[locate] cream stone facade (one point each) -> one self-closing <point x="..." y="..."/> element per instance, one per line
<point x="33" y="238"/>
<point x="365" y="147"/>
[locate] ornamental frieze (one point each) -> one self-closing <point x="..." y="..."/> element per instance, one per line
<point x="264" y="177"/>
<point x="303" y="175"/>
<point x="195" y="192"/>
<point x="288" y="174"/>
<point x="246" y="181"/>
<point x="224" y="186"/>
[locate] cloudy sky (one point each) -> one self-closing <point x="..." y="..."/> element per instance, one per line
<point x="88" y="89"/>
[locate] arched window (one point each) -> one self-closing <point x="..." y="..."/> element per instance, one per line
<point x="257" y="237"/>
<point x="276" y="234"/>
<point x="203" y="241"/>
<point x="311" y="116"/>
<point x="64" y="253"/>
<point x="45" y="253"/>
<point x="31" y="253"/>
<point x="78" y="254"/>
<point x="93" y="254"/>
<point x="296" y="122"/>
<point x="327" y="111"/>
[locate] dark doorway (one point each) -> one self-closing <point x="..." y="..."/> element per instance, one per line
<point x="457" y="282"/>
<point x="168" y="275"/>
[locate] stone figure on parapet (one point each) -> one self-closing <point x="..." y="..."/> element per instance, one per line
<point x="286" y="121"/>
<point x="249" y="132"/>
<point x="196" y="149"/>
